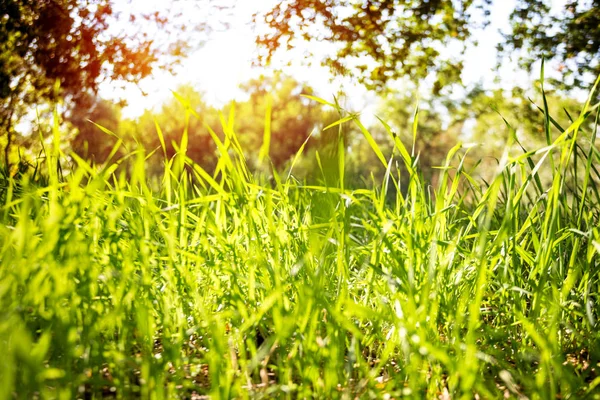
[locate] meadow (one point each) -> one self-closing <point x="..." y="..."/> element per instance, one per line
<point x="241" y="284"/>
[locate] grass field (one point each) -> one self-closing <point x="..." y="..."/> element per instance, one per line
<point x="231" y="285"/>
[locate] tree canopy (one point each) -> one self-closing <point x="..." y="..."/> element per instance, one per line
<point x="277" y="99"/>
<point x="573" y="38"/>
<point x="382" y="40"/>
<point x="79" y="44"/>
<point x="68" y="41"/>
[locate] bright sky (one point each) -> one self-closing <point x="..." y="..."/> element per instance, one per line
<point x="220" y="66"/>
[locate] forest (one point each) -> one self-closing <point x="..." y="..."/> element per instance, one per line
<point x="299" y="199"/>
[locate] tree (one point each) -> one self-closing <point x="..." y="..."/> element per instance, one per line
<point x="90" y="142"/>
<point x="434" y="138"/>
<point x="292" y="119"/>
<point x="78" y="44"/>
<point x="292" y="116"/>
<point x="573" y="38"/>
<point x="382" y="40"/>
<point x="171" y="119"/>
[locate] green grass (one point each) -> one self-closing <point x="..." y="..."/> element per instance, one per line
<point x="232" y="285"/>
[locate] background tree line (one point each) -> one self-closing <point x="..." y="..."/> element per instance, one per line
<point x="60" y="50"/>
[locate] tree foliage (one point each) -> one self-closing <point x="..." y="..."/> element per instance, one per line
<point x="382" y="40"/>
<point x="572" y="38"/>
<point x="78" y="44"/>
<point x="292" y="119"/>
<point x="89" y="141"/>
<point x="434" y="138"/>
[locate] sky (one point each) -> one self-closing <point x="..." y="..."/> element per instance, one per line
<point x="219" y="67"/>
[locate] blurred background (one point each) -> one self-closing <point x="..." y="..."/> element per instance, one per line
<point x="136" y="66"/>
